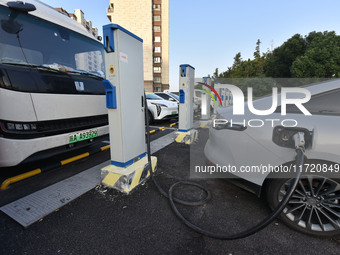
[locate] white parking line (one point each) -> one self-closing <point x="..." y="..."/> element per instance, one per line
<point x="162" y="142"/>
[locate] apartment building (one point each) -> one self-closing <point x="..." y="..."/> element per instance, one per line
<point x="78" y="16"/>
<point x="148" y="19"/>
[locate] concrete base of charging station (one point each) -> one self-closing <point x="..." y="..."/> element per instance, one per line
<point x="206" y="123"/>
<point x="125" y="179"/>
<point x="187" y="137"/>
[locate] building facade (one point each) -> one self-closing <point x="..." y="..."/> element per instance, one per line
<point x="78" y="16"/>
<point x="87" y="61"/>
<point x="149" y="20"/>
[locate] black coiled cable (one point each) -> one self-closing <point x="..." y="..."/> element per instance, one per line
<point x="261" y="225"/>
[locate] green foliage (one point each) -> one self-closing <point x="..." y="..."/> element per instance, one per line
<point x="261" y="86"/>
<point x="278" y="63"/>
<point x="314" y="56"/>
<point x="321" y="58"/>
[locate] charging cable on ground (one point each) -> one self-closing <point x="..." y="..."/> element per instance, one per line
<point x="299" y="141"/>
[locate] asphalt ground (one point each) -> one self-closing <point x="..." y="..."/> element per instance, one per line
<point x="38" y="182"/>
<point x="105" y="221"/>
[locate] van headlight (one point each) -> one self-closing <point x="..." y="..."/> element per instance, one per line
<point x="21" y="126"/>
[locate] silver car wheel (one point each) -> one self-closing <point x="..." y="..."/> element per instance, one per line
<point x="315" y="205"/>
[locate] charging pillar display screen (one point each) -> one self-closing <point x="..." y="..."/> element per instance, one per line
<point x="124" y="94"/>
<point x="186" y="93"/>
<point x="205" y="107"/>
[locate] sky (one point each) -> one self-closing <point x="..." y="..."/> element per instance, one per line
<point x="208" y="34"/>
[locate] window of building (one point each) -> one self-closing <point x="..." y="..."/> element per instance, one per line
<point x="158" y="89"/>
<point x="156" y="28"/>
<point x="157" y="39"/>
<point x="157" y="18"/>
<point x="157" y="49"/>
<point x="157" y="60"/>
<point x="157" y="79"/>
<point x="157" y="69"/>
<point x="156" y="6"/>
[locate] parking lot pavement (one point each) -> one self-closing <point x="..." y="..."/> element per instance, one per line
<point x="104" y="221"/>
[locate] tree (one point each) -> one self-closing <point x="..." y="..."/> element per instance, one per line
<point x="261" y="86"/>
<point x="257" y="53"/>
<point x="248" y="69"/>
<point x="279" y="62"/>
<point x="237" y="63"/>
<point x="314" y="56"/>
<point x="321" y="59"/>
<point x="259" y="60"/>
<point x="236" y="70"/>
<point x="215" y="74"/>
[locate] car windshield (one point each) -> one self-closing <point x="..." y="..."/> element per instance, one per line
<point x="153" y="97"/>
<point x="27" y="40"/>
<point x="175" y="96"/>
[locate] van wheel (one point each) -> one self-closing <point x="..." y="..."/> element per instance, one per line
<point x="314" y="208"/>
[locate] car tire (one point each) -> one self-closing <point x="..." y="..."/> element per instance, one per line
<point x="151" y="119"/>
<point x="314" y="208"/>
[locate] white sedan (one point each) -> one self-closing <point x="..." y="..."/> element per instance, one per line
<point x="258" y="151"/>
<point x="160" y="109"/>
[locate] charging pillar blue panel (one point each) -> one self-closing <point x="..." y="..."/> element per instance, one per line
<point x="109" y="43"/>
<point x="111" y="97"/>
<point x="181" y="96"/>
<point x="216" y="105"/>
<point x="183" y="71"/>
<point x="186" y="88"/>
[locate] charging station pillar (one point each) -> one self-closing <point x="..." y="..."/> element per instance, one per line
<point x="205" y="107"/>
<point x="125" y="102"/>
<point x="185" y="133"/>
<point x="215" y="105"/>
<point x="216" y="99"/>
<point x="230" y="97"/>
<point x="224" y="97"/>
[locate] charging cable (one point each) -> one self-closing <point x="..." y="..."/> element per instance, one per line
<point x="299" y="147"/>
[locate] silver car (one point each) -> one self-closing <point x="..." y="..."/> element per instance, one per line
<point x="257" y="151"/>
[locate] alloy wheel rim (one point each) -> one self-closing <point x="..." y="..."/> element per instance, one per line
<point x="315" y="204"/>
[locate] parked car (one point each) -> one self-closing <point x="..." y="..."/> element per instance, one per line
<point x="160" y="109"/>
<point x="168" y="96"/>
<point x="315" y="206"/>
<point x="172" y="92"/>
<point x="171" y="96"/>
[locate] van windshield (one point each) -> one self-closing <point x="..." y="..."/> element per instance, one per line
<point x="28" y="40"/>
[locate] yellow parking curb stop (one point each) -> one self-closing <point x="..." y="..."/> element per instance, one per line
<point x="187" y="137"/>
